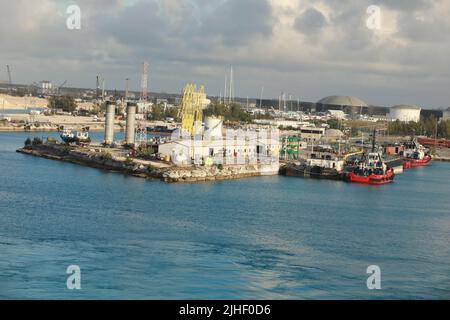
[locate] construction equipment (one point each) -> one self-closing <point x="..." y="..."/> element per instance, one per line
<point x="60" y="87"/>
<point x="191" y="111"/>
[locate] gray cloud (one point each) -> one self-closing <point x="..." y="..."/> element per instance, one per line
<point x="311" y="49"/>
<point x="310" y="21"/>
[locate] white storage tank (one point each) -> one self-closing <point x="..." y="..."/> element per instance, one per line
<point x="405" y="113"/>
<point x="214" y="126"/>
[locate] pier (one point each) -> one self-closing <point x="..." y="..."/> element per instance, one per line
<point x="115" y="160"/>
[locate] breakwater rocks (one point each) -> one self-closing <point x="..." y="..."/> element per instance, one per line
<point x="196" y="174"/>
<point x="102" y="159"/>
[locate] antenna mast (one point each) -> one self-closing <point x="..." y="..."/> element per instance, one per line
<point x="144" y="81"/>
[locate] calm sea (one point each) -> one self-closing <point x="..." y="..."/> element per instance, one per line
<point x="258" y="238"/>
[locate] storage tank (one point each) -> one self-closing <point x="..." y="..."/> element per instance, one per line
<point x="405" y="113"/>
<point x="214" y="126"/>
<point x="130" y="124"/>
<point x="446" y="114"/>
<point x="109" y="123"/>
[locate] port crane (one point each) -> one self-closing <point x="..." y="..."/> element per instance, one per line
<point x="60" y="87"/>
<point x="191" y="111"/>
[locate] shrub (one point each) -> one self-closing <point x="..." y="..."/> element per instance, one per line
<point x="145" y="152"/>
<point x="128" y="161"/>
<point x="220" y="166"/>
<point x="36" y="141"/>
<point x="66" y="150"/>
<point x="27" y="142"/>
<point x="106" y="156"/>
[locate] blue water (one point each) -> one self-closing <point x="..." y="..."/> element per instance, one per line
<point x="258" y="238"/>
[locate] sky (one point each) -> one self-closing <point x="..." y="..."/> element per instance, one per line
<point x="308" y="49"/>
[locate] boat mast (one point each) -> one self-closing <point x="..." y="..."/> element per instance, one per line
<point x="374" y="139"/>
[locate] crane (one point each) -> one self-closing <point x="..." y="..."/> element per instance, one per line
<point x="191" y="110"/>
<point x="60" y="86"/>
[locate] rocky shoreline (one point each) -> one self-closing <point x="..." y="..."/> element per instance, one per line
<point x="146" y="169"/>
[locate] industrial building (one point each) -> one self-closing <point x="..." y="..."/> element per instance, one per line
<point x="405" y="113"/>
<point x="211" y="144"/>
<point x="348" y="104"/>
<point x="45" y="87"/>
<point x="446" y="114"/>
<point x="310" y="134"/>
<point x="219" y="146"/>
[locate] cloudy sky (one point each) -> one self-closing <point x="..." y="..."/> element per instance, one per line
<point x="306" y="48"/>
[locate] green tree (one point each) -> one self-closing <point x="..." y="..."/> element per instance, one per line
<point x="232" y="112"/>
<point x="67" y="104"/>
<point x="160" y="112"/>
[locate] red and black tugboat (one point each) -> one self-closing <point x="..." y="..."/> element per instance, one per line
<point x="415" y="155"/>
<point x="371" y="170"/>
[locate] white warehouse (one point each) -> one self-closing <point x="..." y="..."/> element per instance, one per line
<point x="405" y="113"/>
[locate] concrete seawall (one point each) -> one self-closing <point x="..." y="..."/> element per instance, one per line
<point x="145" y="169"/>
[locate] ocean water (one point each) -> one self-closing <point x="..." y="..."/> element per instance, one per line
<point x="257" y="238"/>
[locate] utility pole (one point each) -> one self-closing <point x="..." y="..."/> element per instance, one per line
<point x="261" y="97"/>
<point x="225" y="90"/>
<point x="103" y="89"/>
<point x="9" y="78"/>
<point x="231" y="86"/>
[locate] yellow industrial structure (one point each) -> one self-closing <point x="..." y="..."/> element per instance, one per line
<point x="191" y="111"/>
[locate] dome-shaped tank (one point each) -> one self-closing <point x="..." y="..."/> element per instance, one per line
<point x="213" y="125"/>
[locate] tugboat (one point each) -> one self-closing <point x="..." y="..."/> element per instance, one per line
<point x="372" y="170"/>
<point x="322" y="168"/>
<point x="160" y="130"/>
<point x="78" y="137"/>
<point x="415" y="155"/>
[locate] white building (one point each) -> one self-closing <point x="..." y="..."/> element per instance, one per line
<point x="405" y="113"/>
<point x="144" y="106"/>
<point x="312" y="134"/>
<point x="337" y="114"/>
<point x="217" y="146"/>
<point x="45" y="87"/>
<point x="446" y="114"/>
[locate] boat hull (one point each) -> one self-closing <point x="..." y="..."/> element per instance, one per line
<point x="313" y="172"/>
<point x="373" y="179"/>
<point x="411" y="163"/>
